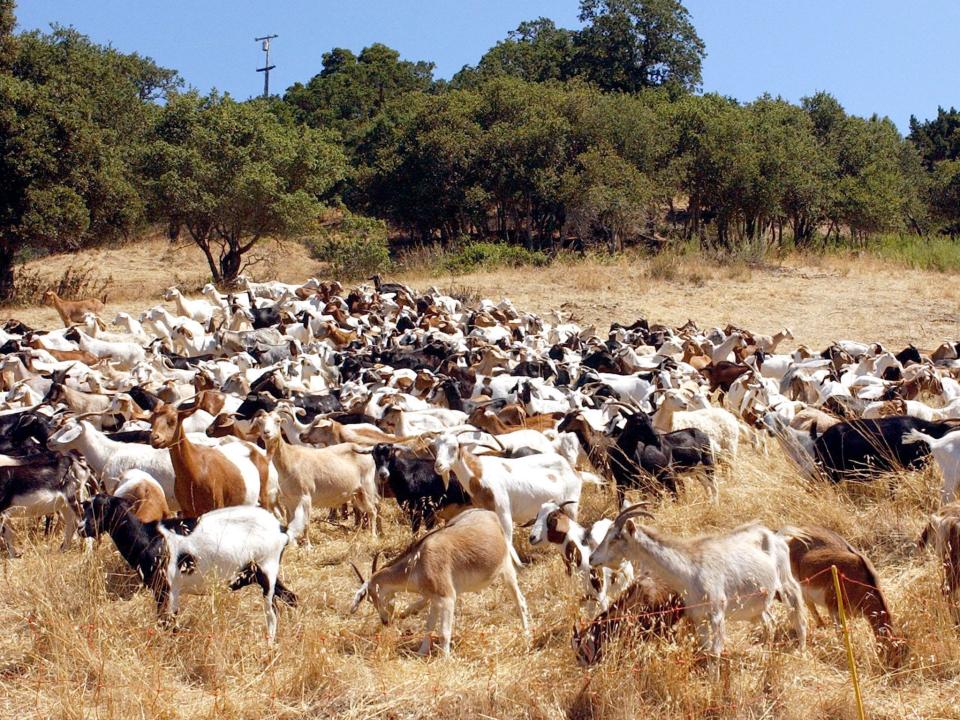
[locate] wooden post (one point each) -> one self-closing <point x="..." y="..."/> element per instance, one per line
<point x="846" y="638"/>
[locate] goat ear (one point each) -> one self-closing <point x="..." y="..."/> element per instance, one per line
<point x="630" y="526"/>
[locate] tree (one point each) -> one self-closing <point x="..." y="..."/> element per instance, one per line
<point x="606" y="197"/>
<point x="71" y="116"/>
<point x="627" y="45"/>
<point x="537" y="51"/>
<point x="232" y="174"/>
<point x="8" y="21"/>
<point x="937" y="139"/>
<point x="351" y="89"/>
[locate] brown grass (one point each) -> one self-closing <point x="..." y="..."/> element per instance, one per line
<point x="81" y="641"/>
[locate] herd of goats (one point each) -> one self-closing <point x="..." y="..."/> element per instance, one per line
<point x="202" y="438"/>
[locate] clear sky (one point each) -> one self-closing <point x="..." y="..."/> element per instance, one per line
<point x="885" y="56"/>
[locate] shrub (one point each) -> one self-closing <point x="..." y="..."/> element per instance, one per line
<point x="78" y="281"/>
<point x="356" y="247"/>
<point x="487" y="255"/>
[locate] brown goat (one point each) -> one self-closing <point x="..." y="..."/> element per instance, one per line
<point x="205" y="478"/>
<point x="509" y="419"/>
<point x="813" y="550"/>
<point x="722" y="374"/>
<point x="645" y="608"/>
<point x="943" y="532"/>
<point x="71" y="311"/>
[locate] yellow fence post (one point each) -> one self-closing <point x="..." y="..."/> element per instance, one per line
<point x="846" y="637"/>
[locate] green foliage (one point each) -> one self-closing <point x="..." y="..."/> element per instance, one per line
<point x="537" y="51"/>
<point x="351" y="89"/>
<point x="920" y="253"/>
<point x="355" y="247"/>
<point x="232" y="174"/>
<point x="489" y="256"/>
<point x="72" y="115"/>
<point x="632" y="44"/>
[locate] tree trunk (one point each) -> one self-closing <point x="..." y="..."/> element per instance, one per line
<point x="230" y="265"/>
<point x="7" y="289"/>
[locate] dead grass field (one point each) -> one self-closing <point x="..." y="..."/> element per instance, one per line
<point x="81" y="642"/>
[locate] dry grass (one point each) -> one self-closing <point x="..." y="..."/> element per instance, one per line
<point x="80" y="638"/>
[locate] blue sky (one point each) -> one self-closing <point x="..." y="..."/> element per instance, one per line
<point x="886" y="56"/>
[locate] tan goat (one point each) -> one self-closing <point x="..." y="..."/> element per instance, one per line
<point x="71" y="311"/>
<point x="321" y="477"/>
<point x="466" y="555"/>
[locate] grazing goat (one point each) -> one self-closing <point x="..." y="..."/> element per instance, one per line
<point x="641" y="448"/>
<point x="645" y="608"/>
<point x="466" y="555"/>
<point x="942" y="531"/>
<point x="813" y="550"/>
<point x="71" y="311"/>
<point x="946" y="453"/>
<point x="577" y="543"/>
<point x="858" y="448"/>
<point x="240" y="544"/>
<point x="514" y="489"/>
<point x="735" y="575"/>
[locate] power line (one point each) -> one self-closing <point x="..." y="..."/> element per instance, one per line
<point x="267" y="67"/>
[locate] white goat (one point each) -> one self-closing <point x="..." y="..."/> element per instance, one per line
<point x="946" y="452"/>
<point x="514" y="489"/>
<point x="736" y="575"/>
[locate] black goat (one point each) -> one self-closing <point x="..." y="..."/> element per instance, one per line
<point x="856" y="449"/>
<point x="640" y="448"/>
<point x="415" y="484"/>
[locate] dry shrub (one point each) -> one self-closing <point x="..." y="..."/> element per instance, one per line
<point x="80" y="280"/>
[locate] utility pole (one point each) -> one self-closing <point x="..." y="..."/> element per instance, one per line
<point x="267" y="67"/>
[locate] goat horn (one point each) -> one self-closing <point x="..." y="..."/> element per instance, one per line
<point x="357" y="571"/>
<point x="633" y="511"/>
<point x="568" y="502"/>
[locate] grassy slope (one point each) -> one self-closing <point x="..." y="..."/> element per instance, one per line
<point x="81" y="642"/>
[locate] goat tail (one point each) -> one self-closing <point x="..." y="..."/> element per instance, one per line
<point x="7" y="461"/>
<point x="513" y="553"/>
<point x="915" y="436"/>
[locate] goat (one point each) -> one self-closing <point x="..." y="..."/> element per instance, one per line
<point x="514" y="489"/>
<point x="577" y="542"/>
<point x="199" y="310"/>
<point x="244" y="544"/>
<point x="854" y="449"/>
<point x="942" y="531"/>
<point x="721" y="426"/>
<point x="206" y="479"/>
<point x="641" y="448"/>
<point x="946" y="453"/>
<point x="646" y="608"/>
<point x="322" y="477"/>
<point x="71" y="311"/>
<point x="735" y="575"/>
<point x="466" y="555"/>
<point x="419" y="490"/>
<point x="813" y="550"/>
<point x="38" y="488"/>
<point x="147" y="500"/>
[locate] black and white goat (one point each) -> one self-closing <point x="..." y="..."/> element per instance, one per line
<point x="241" y="544"/>
<point x="40" y="486"/>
